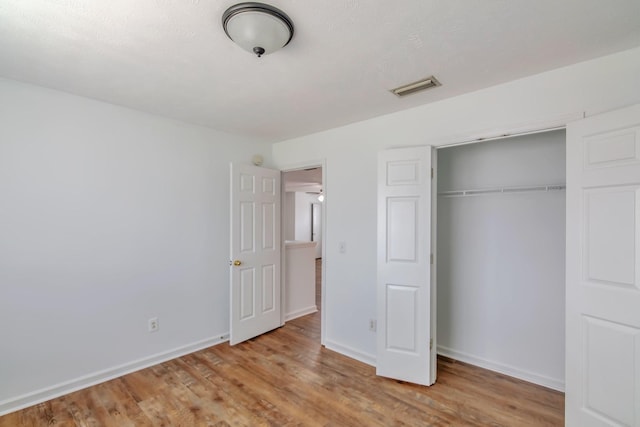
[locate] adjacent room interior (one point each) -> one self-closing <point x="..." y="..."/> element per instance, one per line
<point x="302" y="205"/>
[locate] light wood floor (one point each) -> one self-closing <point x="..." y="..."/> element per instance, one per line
<point x="285" y="378"/>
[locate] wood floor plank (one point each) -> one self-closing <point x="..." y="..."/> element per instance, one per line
<point x="286" y="378"/>
<point x="226" y="395"/>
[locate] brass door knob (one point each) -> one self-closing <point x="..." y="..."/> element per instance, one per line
<point x="237" y="262"/>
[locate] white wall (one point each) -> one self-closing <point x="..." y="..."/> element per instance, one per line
<point x="501" y="257"/>
<point x="303" y="215"/>
<point x="289" y="212"/>
<point x="298" y="218"/>
<point x="351" y="151"/>
<point x="108" y="216"/>
<point x="316" y="225"/>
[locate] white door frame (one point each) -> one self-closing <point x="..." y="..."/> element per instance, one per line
<point x="323" y="232"/>
<point x="496" y="134"/>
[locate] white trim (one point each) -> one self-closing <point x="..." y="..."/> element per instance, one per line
<point x="553" y="383"/>
<point x="300" y="313"/>
<point x="323" y="268"/>
<point x="345" y="350"/>
<point x="508" y="131"/>
<point x="33" y="398"/>
<point x="283" y="250"/>
<point x="433" y="356"/>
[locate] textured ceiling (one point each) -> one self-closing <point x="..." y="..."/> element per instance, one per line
<point x="303" y="180"/>
<point x="172" y="58"/>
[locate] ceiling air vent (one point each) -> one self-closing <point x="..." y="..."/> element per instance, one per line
<point x="414" y="87"/>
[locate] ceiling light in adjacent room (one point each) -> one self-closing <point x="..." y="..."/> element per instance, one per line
<point x="257" y="27"/>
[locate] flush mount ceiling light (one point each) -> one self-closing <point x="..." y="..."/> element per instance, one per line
<point x="414" y="87"/>
<point x="257" y="27"/>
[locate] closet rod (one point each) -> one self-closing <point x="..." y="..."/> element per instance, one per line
<point x="502" y="190"/>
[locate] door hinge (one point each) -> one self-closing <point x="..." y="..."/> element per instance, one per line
<point x="431" y="173"/>
<point x="431" y="344"/>
<point x="431" y="259"/>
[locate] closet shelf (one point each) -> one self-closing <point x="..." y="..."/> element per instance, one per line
<point x="502" y="190"/>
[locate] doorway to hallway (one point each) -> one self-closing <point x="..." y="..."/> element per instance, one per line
<point x="302" y="223"/>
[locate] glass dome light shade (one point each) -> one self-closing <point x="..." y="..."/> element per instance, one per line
<point x="257" y="28"/>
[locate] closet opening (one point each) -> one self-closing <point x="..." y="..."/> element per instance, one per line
<point x="501" y="255"/>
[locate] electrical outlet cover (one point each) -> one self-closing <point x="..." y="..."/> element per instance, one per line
<point x="153" y="324"/>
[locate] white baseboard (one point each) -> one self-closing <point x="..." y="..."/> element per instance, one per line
<point x="369" y="359"/>
<point x="300" y="313"/>
<point x="553" y="383"/>
<point x="33" y="398"/>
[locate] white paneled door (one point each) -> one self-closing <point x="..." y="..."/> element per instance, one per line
<point x="255" y="252"/>
<point x="404" y="293"/>
<point x="603" y="270"/>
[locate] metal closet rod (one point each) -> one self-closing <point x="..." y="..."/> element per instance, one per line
<point x="502" y="190"/>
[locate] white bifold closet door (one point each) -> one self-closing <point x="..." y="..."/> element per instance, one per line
<point x="404" y="291"/>
<point x="603" y="270"/>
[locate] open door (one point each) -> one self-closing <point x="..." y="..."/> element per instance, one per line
<point x="603" y="270"/>
<point x="405" y="341"/>
<point x="316" y="227"/>
<point x="255" y="252"/>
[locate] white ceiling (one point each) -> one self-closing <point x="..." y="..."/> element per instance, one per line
<point x="303" y="180"/>
<point x="172" y="57"/>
